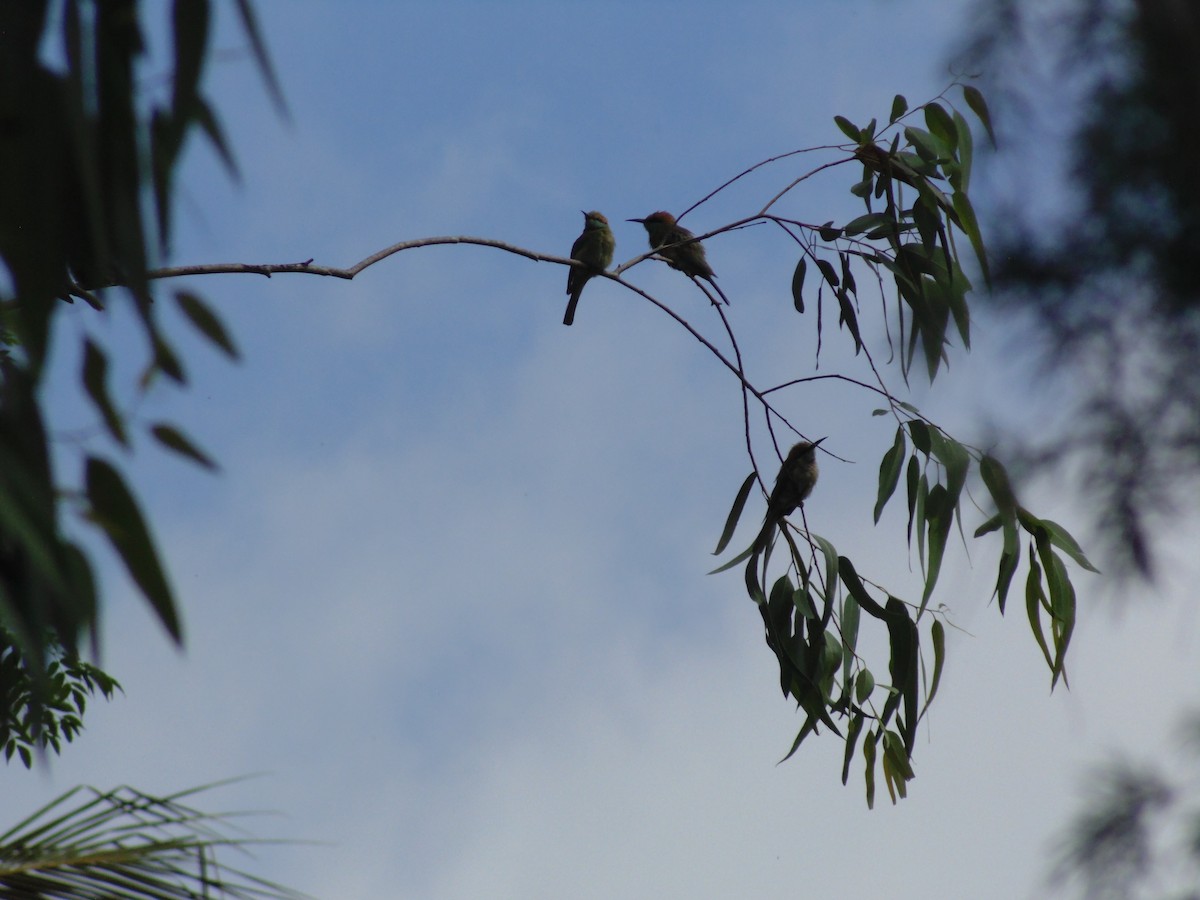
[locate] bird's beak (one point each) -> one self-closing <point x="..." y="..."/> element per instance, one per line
<point x="639" y="221"/>
<point x="583" y="212"/>
<point x="818" y="441"/>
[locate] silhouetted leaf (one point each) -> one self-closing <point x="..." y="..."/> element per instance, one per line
<point x="828" y="232"/>
<point x="899" y="107"/>
<point x="211" y="125"/>
<point x="828" y="272"/>
<point x="250" y="24"/>
<point x="206" y="322"/>
<point x="798" y="284"/>
<point x="95" y="380"/>
<point x="117" y="513"/>
<point x="173" y="439"/>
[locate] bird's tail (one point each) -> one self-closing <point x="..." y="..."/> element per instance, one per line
<point x="569" y="315"/>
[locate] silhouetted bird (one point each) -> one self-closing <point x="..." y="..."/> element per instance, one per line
<point x="793" y="484"/>
<point x="688" y="257"/>
<point x="594" y="248"/>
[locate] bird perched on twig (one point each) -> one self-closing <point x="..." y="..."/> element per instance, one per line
<point x="678" y="247"/>
<point x="594" y="248"/>
<point x="793" y="484"/>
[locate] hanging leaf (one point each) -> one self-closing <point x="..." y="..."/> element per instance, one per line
<point x="95" y="380"/>
<point x="979" y="106"/>
<point x="115" y="510"/>
<point x="798" y="284"/>
<point x="173" y="439"/>
<point x="206" y="322"/>
<point x="889" y="472"/>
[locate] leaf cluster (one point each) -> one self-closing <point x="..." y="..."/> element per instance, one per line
<point x="42" y="708"/>
<point x="87" y="150"/>
<point x="915" y="186"/>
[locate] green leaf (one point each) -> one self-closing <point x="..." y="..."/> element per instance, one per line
<point x="858" y="591"/>
<point x="939" y="516"/>
<point x="979" y="106"/>
<point x="919" y="432"/>
<point x="867" y="222"/>
<point x="970" y="227"/>
<point x="904" y="640"/>
<point x="869" y="766"/>
<point x="889" y="471"/>
<point x="956" y="460"/>
<point x="942" y="126"/>
<point x="992" y="524"/>
<point x="1035" y="599"/>
<point x="798" y="284"/>
<point x="1062" y="605"/>
<point x="864" y="683"/>
<point x="206" y="322"/>
<point x="848" y="128"/>
<point x="831" y="563"/>
<point x="938" y="633"/>
<point x="928" y="147"/>
<point x="724" y="567"/>
<point x="116" y="511"/>
<point x="849" y="630"/>
<point x="852" y="733"/>
<point x="173" y="439"/>
<point x="912" y="478"/>
<point x="966" y="149"/>
<point x="1062" y="539"/>
<point x="95" y="380"/>
<point x="899" y="108"/>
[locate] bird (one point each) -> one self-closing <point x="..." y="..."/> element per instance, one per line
<point x="594" y="248"/>
<point x="666" y="236"/>
<point x="793" y="484"/>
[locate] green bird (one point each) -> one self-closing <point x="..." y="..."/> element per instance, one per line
<point x="594" y="248"/>
<point x="667" y="235"/>
<point x="793" y="484"/>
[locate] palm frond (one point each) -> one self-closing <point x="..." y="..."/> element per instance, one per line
<point x="130" y="845"/>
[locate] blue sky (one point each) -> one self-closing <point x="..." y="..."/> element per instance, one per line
<point x="448" y="593"/>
